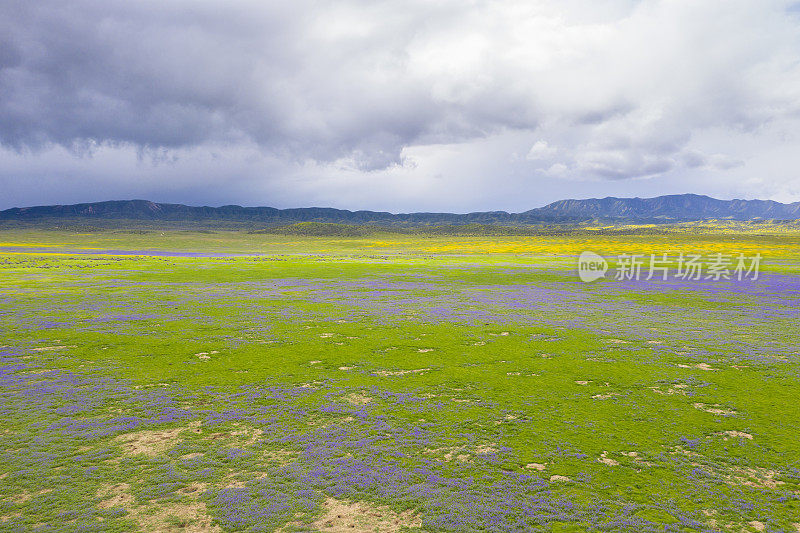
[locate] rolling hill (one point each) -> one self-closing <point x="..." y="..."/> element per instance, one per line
<point x="672" y="208"/>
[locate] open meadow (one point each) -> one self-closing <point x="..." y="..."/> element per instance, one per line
<point x="225" y="381"/>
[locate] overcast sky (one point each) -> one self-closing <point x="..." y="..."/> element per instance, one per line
<point x="408" y="105"/>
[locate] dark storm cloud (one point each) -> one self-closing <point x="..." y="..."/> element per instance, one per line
<point x="608" y="89"/>
<point x="186" y="73"/>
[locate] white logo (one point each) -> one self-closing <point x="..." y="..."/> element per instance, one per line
<point x="591" y="267"/>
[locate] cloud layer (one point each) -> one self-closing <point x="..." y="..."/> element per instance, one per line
<point x="363" y="91"/>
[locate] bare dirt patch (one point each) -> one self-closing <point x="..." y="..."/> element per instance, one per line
<point x="194" y="489"/>
<point x="485" y="449"/>
<point x="462" y="454"/>
<point x="187" y="516"/>
<point x="253" y="434"/>
<point x="358" y="399"/>
<point x="400" y="372"/>
<point x="679" y="388"/>
<point x="607" y="460"/>
<point x="715" y="409"/>
<point x="699" y="366"/>
<point x="282" y="457"/>
<point x="753" y="477"/>
<point x="51" y="348"/>
<point x="361" y="517"/>
<point x="736" y="434"/>
<point x="149" y="443"/>
<point x="605" y="396"/>
<point x="20" y="498"/>
<point x="115" y="496"/>
<point x="190" y="456"/>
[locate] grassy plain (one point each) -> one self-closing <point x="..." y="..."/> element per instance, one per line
<point x="394" y="382"/>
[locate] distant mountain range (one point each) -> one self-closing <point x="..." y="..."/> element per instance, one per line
<point x="676" y="207"/>
<point x="672" y="208"/>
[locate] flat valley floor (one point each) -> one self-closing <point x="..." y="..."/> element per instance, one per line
<point x="224" y="381"/>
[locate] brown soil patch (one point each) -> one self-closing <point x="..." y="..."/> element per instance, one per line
<point x="51" y="348"/>
<point x="361" y="517"/>
<point x="713" y="409"/>
<point x="282" y="457"/>
<point x="753" y="477"/>
<point x="190" y="456"/>
<point x="186" y="517"/>
<point x="20" y="498"/>
<point x="194" y="489"/>
<point x="678" y="389"/>
<point x="358" y="399"/>
<point x="605" y="396"/>
<point x="462" y="454"/>
<point x="736" y="475"/>
<point x="400" y="372"/>
<point x="536" y="466"/>
<point x="253" y="435"/>
<point x="699" y="366"/>
<point x="607" y="460"/>
<point x="115" y="496"/>
<point x="736" y="434"/>
<point x="24" y="496"/>
<point x="149" y="442"/>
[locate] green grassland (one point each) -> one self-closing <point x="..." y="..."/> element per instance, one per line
<point x="388" y="382"/>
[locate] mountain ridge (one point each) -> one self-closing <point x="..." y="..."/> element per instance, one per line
<point x="668" y="208"/>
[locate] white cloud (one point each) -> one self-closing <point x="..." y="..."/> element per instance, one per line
<point x="588" y="89"/>
<point x="540" y="150"/>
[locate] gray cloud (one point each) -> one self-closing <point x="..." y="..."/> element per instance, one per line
<point x="603" y="89"/>
<point x="307" y="79"/>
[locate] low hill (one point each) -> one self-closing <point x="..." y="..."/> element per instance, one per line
<point x="672" y="208"/>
